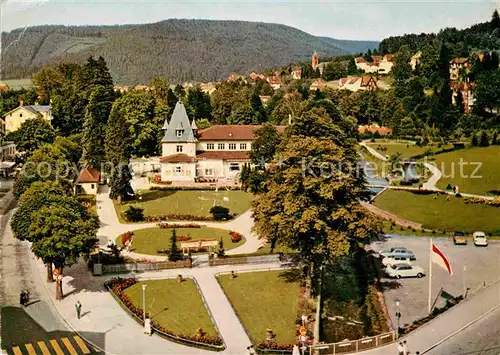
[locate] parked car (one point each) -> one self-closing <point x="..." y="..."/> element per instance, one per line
<point x="459" y="238"/>
<point x="400" y="251"/>
<point x="480" y="239"/>
<point x="396" y="259"/>
<point x="404" y="270"/>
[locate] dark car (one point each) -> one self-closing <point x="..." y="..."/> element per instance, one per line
<point x="459" y="238"/>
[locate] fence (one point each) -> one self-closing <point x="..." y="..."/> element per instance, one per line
<point x="353" y="346"/>
<point x="140" y="267"/>
<point x="262" y="259"/>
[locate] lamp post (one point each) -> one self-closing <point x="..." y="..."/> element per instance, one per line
<point x="398" y="316"/>
<point x="144" y="303"/>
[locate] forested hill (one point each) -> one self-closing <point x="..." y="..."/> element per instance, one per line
<point x="180" y="50"/>
<point x="482" y="36"/>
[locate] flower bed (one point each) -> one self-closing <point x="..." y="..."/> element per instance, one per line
<point x="178" y="225"/>
<point x="235" y="236"/>
<point x="125" y="237"/>
<point x="187" y="188"/>
<point x="179" y="217"/>
<point x="118" y="285"/>
<point x="483" y="201"/>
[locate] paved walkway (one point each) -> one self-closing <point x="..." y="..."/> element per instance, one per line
<point x="448" y="324"/>
<point x="122" y="334"/>
<point x="373" y="151"/>
<point x="110" y="228"/>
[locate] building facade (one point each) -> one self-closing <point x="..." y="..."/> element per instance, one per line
<point x="15" y="118"/>
<point x="215" y="153"/>
<point x="7" y="152"/>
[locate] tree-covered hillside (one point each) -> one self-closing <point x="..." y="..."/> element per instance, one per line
<point x="200" y="50"/>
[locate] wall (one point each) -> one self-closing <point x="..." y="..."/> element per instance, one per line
<point x="90" y="188"/>
<point x="188" y="172"/>
<point x="171" y="148"/>
<point x="15" y="119"/>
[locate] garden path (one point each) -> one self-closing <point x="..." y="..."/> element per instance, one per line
<point x="111" y="227"/>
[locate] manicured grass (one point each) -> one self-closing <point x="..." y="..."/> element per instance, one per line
<point x="263" y="300"/>
<point x="164" y="202"/>
<point x="407" y="150"/>
<point x="174" y="305"/>
<point x="438" y="213"/>
<point x="149" y="240"/>
<point x="489" y="171"/>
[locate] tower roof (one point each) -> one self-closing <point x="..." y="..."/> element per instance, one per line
<point x="193" y="125"/>
<point x="178" y="129"/>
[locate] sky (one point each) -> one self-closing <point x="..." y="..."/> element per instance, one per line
<point x="341" y="19"/>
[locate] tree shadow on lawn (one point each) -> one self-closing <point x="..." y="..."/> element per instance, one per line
<point x="291" y="275"/>
<point x="152" y="195"/>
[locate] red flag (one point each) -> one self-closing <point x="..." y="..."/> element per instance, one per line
<point x="439" y="258"/>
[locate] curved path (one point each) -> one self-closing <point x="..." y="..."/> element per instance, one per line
<point x="111" y="227"/>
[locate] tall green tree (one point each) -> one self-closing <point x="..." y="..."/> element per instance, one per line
<point x="32" y="135"/>
<point x="117" y="149"/>
<point x="175" y="254"/>
<point x="94" y="129"/>
<point x="267" y="140"/>
<point x="62" y="235"/>
<point x="198" y="104"/>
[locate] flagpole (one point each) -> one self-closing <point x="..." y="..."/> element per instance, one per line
<point x="430" y="273"/>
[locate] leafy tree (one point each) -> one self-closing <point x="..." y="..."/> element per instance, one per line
<point x="94" y="128"/>
<point x="39" y="194"/>
<point x="267" y="140"/>
<point x="71" y="146"/>
<point x="245" y="176"/>
<point x="49" y="163"/>
<point x="258" y="109"/>
<point x="486" y="92"/>
<point x="198" y="104"/>
<point x="310" y="202"/>
<point x="171" y="99"/>
<point x="175" y="254"/>
<point x="494" y="137"/>
<point x="351" y="67"/>
<point x="220" y="213"/>
<point x="179" y="92"/>
<point x="62" y="235"/>
<point x="32" y="135"/>
<point x="221" y="252"/>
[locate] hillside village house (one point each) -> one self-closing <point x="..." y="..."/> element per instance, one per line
<point x="379" y="64"/>
<point x="274" y="81"/>
<point x="457" y="65"/>
<point x="88" y="181"/>
<point x="15" y="118"/>
<point x="297" y="73"/>
<point x="354" y="83"/>
<point x="317" y="85"/>
<point x="415" y="60"/>
<point x="215" y="153"/>
<point x="375" y="128"/>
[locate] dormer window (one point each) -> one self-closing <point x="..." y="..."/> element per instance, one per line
<point x="178" y="132"/>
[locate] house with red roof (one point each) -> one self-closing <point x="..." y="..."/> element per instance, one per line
<point x="274" y="81"/>
<point x="88" y="181"/>
<point x="379" y="64"/>
<point x="458" y="65"/>
<point x="214" y="153"/>
<point x="16" y="117"/>
<point x="356" y="83"/>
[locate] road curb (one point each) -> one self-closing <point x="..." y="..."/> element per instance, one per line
<point x="461" y="329"/>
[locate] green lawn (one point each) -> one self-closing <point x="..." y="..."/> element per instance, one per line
<point x="164" y="202"/>
<point x="489" y="171"/>
<point x="407" y="150"/>
<point x="263" y="300"/>
<point x="439" y="213"/>
<point x="174" y="305"/>
<point x="149" y="240"/>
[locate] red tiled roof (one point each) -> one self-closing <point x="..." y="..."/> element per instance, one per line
<point x="383" y="131"/>
<point x="318" y="84"/>
<point x="177" y="158"/>
<point x="366" y="79"/>
<point x="89" y="175"/>
<point x="224" y="155"/>
<point x="360" y="60"/>
<point x="274" y="79"/>
<point x="459" y="60"/>
<point x="372" y="64"/>
<point x="231" y="132"/>
<point x="389" y="57"/>
<point x="353" y="80"/>
<point x="376" y="58"/>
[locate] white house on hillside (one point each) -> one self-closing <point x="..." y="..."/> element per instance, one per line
<point x="15" y="118"/>
<point x="217" y="152"/>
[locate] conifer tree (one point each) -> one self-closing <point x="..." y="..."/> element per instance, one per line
<point x="175" y="254"/>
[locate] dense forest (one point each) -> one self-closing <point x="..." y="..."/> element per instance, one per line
<point x="484" y="36"/>
<point x="181" y="50"/>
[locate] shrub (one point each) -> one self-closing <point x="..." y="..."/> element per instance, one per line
<point x="179" y="217"/>
<point x="175" y="254"/>
<point x="235" y="237"/>
<point x="183" y="238"/>
<point x="134" y="214"/>
<point x="449" y="187"/>
<point x="483" y="139"/>
<point x="220" y="213"/>
<point x="221" y="252"/>
<point x="177" y="225"/>
<point x="375" y="312"/>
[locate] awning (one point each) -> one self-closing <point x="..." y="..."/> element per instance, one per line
<point x="7" y="164"/>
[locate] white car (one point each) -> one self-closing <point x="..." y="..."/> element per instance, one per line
<point x="404" y="270"/>
<point x="400" y="251"/>
<point x="480" y="239"/>
<point x="396" y="259"/>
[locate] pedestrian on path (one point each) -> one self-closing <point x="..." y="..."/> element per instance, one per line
<point x="78" y="307"/>
<point x="22" y="298"/>
<point x="401" y="349"/>
<point x="405" y="348"/>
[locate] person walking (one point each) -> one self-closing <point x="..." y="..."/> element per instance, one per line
<point x="22" y="298"/>
<point x="78" y="307"/>
<point x="405" y="348"/>
<point x="401" y="349"/>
